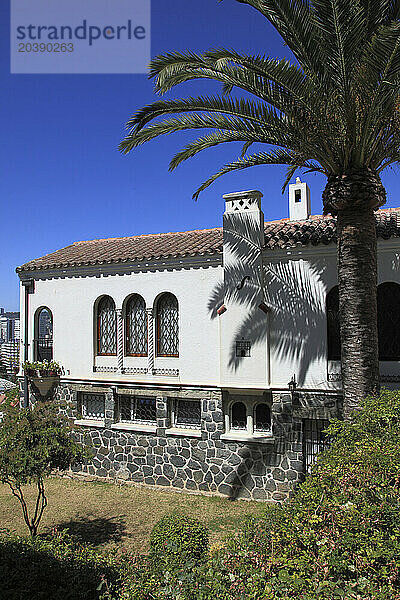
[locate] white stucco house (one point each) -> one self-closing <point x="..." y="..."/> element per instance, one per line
<point x="178" y="348"/>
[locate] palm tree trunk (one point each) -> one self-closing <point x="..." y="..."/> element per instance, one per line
<point x="353" y="197"/>
<point x="357" y="276"/>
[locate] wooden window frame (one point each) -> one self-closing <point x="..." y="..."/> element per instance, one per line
<point x="127" y="329"/>
<point x="158" y="332"/>
<point x="98" y="353"/>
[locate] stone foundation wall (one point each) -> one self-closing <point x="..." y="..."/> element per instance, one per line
<point x="253" y="470"/>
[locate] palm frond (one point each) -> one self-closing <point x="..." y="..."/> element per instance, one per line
<point x="294" y="22"/>
<point x="208" y="141"/>
<point x="272" y="131"/>
<point x="274" y="157"/>
<point x="336" y="108"/>
<point x="253" y="112"/>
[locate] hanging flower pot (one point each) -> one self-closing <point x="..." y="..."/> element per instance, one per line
<point x="43" y="375"/>
<point x="44" y="384"/>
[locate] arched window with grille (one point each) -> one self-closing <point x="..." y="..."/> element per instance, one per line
<point x="136" y="327"/>
<point x="333" y="323"/>
<point x="106" y="327"/>
<point x="389" y="321"/>
<point x="262" y="417"/>
<point x="167" y="326"/>
<point x="238" y="416"/>
<point x="43" y="341"/>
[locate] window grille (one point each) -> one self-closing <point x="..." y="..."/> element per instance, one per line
<point x="136" y="327"/>
<point x="243" y="348"/>
<point x="314" y="440"/>
<point x="92" y="406"/>
<point x="43" y="349"/>
<point x="140" y="409"/>
<point x="167" y="326"/>
<point x="389" y="321"/>
<point x="333" y="323"/>
<point x="43" y="342"/>
<point x="106" y="327"/>
<point x="187" y="413"/>
<point x="262" y="417"/>
<point x="238" y="416"/>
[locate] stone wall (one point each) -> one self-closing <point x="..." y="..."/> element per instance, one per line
<point x="262" y="471"/>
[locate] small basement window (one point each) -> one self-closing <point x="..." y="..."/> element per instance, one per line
<point x="138" y="409"/>
<point x="249" y="418"/>
<point x="92" y="406"/>
<point x="238" y="416"/>
<point x="262" y="417"/>
<point x="186" y="413"/>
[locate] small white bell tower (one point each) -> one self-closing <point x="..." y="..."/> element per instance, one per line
<point x="299" y="201"/>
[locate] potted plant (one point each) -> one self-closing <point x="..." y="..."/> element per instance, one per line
<point x="43" y="374"/>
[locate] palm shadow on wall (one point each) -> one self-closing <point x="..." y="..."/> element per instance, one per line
<point x="294" y="292"/>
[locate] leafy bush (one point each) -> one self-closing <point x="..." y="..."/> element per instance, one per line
<point x="177" y="540"/>
<point x="54" y="567"/>
<point x="178" y="546"/>
<point x="339" y="538"/>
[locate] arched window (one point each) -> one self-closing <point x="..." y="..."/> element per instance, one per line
<point x="136" y="327"/>
<point x="262" y="417"/>
<point x="106" y="327"/>
<point x="43" y="342"/>
<point x="333" y="323"/>
<point x="167" y="326"/>
<point x="238" y="416"/>
<point x="389" y="321"/>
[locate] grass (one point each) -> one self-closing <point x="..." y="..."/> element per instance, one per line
<point x="110" y="516"/>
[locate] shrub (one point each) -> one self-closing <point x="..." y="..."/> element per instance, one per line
<point x="34" y="442"/>
<point x="177" y="540"/>
<point x="54" y="567"/>
<point x="338" y="538"/>
<point x="340" y="535"/>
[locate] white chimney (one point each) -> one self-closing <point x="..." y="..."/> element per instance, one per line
<point x="243" y="239"/>
<point x="243" y="212"/>
<point x="299" y="201"/>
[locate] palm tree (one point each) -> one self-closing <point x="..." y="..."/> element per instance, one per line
<point x="335" y="110"/>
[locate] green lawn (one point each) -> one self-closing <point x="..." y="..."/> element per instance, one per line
<point x="109" y="515"/>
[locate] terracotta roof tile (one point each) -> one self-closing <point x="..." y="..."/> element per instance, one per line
<point x="322" y="230"/>
<point x="131" y="249"/>
<point x="278" y="234"/>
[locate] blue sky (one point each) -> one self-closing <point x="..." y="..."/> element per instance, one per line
<point x="62" y="177"/>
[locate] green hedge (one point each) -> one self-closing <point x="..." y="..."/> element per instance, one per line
<point x="177" y="540"/>
<point x="53" y="567"/>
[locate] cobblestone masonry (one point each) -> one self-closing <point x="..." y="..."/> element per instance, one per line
<point x="266" y="471"/>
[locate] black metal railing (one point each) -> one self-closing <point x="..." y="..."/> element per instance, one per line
<point x="314" y="440"/>
<point x="43" y="349"/>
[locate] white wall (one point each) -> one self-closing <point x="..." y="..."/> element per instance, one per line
<point x="243" y="320"/>
<point x="291" y="339"/>
<point x="71" y="300"/>
<point x="296" y="283"/>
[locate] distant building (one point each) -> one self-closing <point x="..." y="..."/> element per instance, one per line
<point x="9" y="355"/>
<point x="9" y="340"/>
<point x="9" y="326"/>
